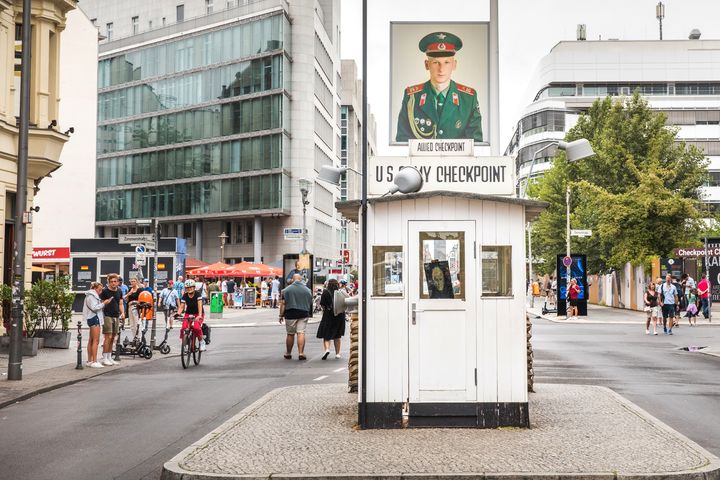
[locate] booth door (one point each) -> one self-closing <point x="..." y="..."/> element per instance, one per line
<point x="442" y="314"/>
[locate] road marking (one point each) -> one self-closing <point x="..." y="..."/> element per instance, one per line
<point x="321" y="377"/>
<point x="338" y="370"/>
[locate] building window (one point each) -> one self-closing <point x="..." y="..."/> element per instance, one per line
<point x="442" y="265"/>
<point x="231" y="4"/>
<point x="496" y="271"/>
<point x="163" y="21"/>
<point x="208" y="6"/>
<point x="109" y="31"/>
<point x="135" y="25"/>
<point x="180" y="13"/>
<point x="387" y="271"/>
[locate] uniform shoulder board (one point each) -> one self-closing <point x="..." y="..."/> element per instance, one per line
<point x="464" y="89"/>
<point x="414" y="89"/>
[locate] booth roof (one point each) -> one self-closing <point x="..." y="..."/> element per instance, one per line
<point x="350" y="208"/>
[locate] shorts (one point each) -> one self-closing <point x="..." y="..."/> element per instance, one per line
<point x="295" y="326"/>
<point x="668" y="310"/>
<point x="93" y="322"/>
<point x="111" y="325"/>
<point x="573" y="302"/>
<point x="656" y="311"/>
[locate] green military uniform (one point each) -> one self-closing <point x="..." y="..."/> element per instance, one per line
<point x="452" y="113"/>
<point x="424" y="116"/>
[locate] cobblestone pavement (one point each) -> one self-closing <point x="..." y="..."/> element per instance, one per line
<point x="310" y="431"/>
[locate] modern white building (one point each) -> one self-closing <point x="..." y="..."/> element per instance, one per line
<point x="209" y="115"/>
<point x="67" y="199"/>
<point x="678" y="77"/>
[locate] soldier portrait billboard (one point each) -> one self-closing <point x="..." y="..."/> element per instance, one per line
<point x="439" y="85"/>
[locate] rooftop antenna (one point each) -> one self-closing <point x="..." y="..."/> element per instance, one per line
<point x="660" y="14"/>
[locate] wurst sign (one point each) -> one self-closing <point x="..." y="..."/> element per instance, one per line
<point x="485" y="175"/>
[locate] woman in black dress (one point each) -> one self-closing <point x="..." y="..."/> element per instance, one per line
<point x="332" y="327"/>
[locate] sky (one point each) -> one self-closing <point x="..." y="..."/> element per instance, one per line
<point x="528" y="30"/>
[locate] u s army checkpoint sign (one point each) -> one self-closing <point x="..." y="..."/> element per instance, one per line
<point x="484" y="175"/>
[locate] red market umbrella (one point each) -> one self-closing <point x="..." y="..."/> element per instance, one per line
<point x="193" y="263"/>
<point x="218" y="269"/>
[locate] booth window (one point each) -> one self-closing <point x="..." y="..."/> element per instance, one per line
<point x="442" y="266"/>
<point x="387" y="271"/>
<point x="496" y="271"/>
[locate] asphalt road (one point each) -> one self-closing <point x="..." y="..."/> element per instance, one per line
<point x="126" y="424"/>
<point x="680" y="388"/>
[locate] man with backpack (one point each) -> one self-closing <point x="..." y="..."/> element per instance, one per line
<point x="669" y="297"/>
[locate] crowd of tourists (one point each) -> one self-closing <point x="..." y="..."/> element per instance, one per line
<point x="670" y="300"/>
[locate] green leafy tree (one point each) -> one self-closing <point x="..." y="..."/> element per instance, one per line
<point x="48" y="304"/>
<point x="639" y="193"/>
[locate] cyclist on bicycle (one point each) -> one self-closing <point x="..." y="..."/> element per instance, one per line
<point x="191" y="304"/>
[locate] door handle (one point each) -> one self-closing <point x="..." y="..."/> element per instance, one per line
<point x="414" y="311"/>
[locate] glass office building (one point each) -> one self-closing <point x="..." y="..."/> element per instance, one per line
<point x="202" y="125"/>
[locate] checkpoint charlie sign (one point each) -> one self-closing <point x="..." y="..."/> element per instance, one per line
<point x="486" y="175"/>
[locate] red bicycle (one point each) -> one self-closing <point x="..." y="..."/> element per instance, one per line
<point x="190" y="343"/>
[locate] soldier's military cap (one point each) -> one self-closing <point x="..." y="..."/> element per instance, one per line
<point x="440" y="44"/>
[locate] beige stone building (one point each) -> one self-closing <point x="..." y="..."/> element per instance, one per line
<point x="46" y="138"/>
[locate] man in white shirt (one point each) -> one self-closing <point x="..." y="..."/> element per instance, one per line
<point x="275" y="292"/>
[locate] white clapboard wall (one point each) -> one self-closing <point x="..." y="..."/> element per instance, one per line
<point x="501" y="336"/>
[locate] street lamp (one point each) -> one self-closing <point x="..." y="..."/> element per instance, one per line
<point x="660" y="14"/>
<point x="574" y="151"/>
<point x="305" y="188"/>
<point x="223" y="238"/>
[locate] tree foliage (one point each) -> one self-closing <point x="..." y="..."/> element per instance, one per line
<point x="48" y="303"/>
<point x="639" y="193"/>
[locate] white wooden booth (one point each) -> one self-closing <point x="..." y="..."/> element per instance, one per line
<point x="446" y="334"/>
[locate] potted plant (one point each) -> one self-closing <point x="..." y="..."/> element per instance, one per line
<point x="48" y="311"/>
<point x="30" y="345"/>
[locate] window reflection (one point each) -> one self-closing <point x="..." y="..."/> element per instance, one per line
<point x="496" y="271"/>
<point x="442" y="265"/>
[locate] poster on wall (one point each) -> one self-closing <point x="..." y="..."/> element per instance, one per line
<point x="439" y="81"/>
<point x="713" y="268"/>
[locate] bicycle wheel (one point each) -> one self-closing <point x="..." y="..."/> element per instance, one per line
<point x="186" y="351"/>
<point x="196" y="350"/>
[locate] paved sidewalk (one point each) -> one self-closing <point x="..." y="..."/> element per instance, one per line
<point x="599" y="314"/>
<point x="576" y="432"/>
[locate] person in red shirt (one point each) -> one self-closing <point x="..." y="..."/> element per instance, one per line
<point x="573" y="293"/>
<point x="703" y="289"/>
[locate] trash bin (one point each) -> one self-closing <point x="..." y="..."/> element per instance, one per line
<point x="216" y="302"/>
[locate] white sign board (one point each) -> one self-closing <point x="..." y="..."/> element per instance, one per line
<point x="482" y="175"/>
<point x="140" y="261"/>
<point x="136" y="238"/>
<point x="293" y="233"/>
<point x="441" y="148"/>
<point x="581" y="233"/>
<point x="147" y="245"/>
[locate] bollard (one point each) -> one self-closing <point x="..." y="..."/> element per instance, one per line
<point x="79" y="365"/>
<point x="119" y="330"/>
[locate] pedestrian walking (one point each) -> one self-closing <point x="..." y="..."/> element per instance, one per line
<point x="231" y="292"/>
<point x="681" y="300"/>
<point x="573" y="294"/>
<point x="295" y="308"/>
<point x="651" y="308"/>
<point x="692" y="309"/>
<point x="131" y="297"/>
<point x="168" y="303"/>
<point x="224" y="291"/>
<point x="669" y="296"/>
<point x="703" y="289"/>
<point x="332" y="327"/>
<point x="93" y="315"/>
<point x="180" y="286"/>
<point x="264" y="293"/>
<point x="114" y="312"/>
<point x="275" y="292"/>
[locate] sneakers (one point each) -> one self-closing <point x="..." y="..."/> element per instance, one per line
<point x="327" y="353"/>
<point x="337" y="355"/>
<point x="670" y="332"/>
<point x="106" y="362"/>
<point x="647" y="332"/>
<point x="96" y="365"/>
<point x="655" y="333"/>
<point x="203" y="347"/>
